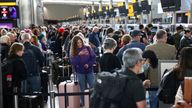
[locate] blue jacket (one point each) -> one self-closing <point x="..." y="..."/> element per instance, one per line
<point x="133" y="44"/>
<point x="37" y="53"/>
<point x="94" y="39"/>
<point x="79" y="61"/>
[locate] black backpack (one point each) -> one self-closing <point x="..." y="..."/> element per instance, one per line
<point x="168" y="87"/>
<point x="108" y="90"/>
<point x="7" y="76"/>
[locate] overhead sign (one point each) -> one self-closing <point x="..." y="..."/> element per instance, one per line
<point x="133" y="1"/>
<point x="7" y="3"/>
<point x="9" y="12"/>
<point x="130" y="10"/>
<point x="119" y="4"/>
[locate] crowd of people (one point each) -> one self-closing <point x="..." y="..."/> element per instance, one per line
<point x="137" y="54"/>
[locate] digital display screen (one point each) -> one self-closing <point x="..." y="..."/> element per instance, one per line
<point x="6" y="25"/>
<point x="7" y="0"/>
<point x="170" y="5"/>
<point x="9" y="12"/>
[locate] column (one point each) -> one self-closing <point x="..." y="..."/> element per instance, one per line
<point x="100" y="10"/>
<point x="126" y="17"/>
<point x="174" y="18"/>
<point x="190" y="15"/>
<point x="110" y="7"/>
<point x="26" y="17"/>
<point x="149" y="16"/>
<point x="141" y="16"/>
<point x="92" y="11"/>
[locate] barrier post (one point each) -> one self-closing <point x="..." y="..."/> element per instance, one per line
<point x="1" y="83"/>
<point x="52" y="97"/>
<point x="16" y="101"/>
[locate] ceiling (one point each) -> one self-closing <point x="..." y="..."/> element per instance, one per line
<point x="80" y="2"/>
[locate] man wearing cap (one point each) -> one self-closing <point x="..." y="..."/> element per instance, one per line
<point x="135" y="43"/>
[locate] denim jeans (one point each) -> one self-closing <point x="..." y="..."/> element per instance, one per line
<point x="31" y="84"/>
<point x="83" y="80"/>
<point x="153" y="99"/>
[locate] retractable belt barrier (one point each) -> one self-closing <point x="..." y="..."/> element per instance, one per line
<point x="61" y="94"/>
<point x="16" y="95"/>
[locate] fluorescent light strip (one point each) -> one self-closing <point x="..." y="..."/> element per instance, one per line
<point x="7" y="4"/>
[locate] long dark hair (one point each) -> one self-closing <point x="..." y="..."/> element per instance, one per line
<point x="73" y="48"/>
<point x="185" y="59"/>
<point x="153" y="60"/>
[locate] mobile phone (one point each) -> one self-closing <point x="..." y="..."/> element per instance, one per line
<point x="180" y="102"/>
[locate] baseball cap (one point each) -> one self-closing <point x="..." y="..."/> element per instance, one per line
<point x="136" y="33"/>
<point x="61" y="30"/>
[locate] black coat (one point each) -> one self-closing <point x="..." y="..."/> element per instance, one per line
<point x="4" y="51"/>
<point x="19" y="73"/>
<point x="59" y="43"/>
<point x="19" y="70"/>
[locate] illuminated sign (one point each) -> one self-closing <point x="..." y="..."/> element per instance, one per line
<point x="9" y="12"/>
<point x="130" y="10"/>
<point x="7" y="0"/>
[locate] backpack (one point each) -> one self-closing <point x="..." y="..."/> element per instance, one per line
<point x="7" y="76"/>
<point x="31" y="63"/>
<point x="168" y="87"/>
<point x="108" y="90"/>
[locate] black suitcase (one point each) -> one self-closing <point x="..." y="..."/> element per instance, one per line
<point x="44" y="85"/>
<point x="31" y="102"/>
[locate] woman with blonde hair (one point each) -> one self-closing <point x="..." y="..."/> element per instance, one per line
<point x="5" y="43"/>
<point x="82" y="59"/>
<point x="125" y="39"/>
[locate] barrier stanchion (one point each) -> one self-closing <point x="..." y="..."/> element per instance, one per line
<point x="16" y="99"/>
<point x="52" y="97"/>
<point x="1" y="83"/>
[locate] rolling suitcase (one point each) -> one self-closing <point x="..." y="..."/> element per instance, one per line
<point x="86" y="99"/>
<point x="69" y="86"/>
<point x="70" y="101"/>
<point x="31" y="102"/>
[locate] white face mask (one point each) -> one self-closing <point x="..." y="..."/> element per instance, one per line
<point x="144" y="67"/>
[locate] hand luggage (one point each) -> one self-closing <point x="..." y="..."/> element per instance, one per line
<point x="86" y="100"/>
<point x="70" y="101"/>
<point x="31" y="102"/>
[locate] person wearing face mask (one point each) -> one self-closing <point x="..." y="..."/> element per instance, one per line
<point x="134" y="92"/>
<point x="151" y="72"/>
